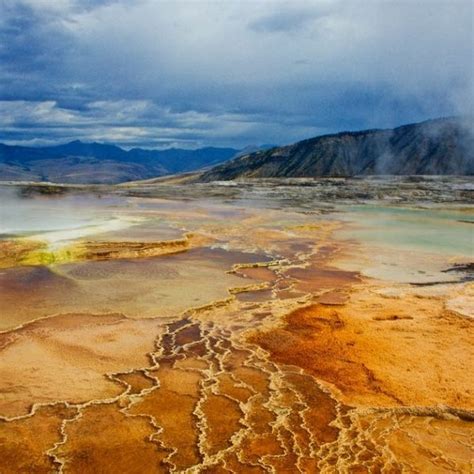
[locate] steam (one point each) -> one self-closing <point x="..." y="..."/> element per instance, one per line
<point x="452" y="136"/>
<point x="58" y="219"/>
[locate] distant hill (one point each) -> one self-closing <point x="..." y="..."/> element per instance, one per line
<point x="435" y="147"/>
<point x="78" y="162"/>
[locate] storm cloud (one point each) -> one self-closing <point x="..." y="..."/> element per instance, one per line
<point x="191" y="73"/>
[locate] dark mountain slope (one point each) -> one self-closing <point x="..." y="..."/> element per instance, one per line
<point x="442" y="146"/>
<point x="176" y="160"/>
<point x="78" y="162"/>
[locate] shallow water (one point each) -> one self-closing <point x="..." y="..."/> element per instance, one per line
<point x="436" y="230"/>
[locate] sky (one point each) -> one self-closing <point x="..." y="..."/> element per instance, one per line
<point x="188" y="74"/>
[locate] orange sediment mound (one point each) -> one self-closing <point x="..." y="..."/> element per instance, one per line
<point x="103" y="438"/>
<point x="172" y="407"/>
<point x="24" y="442"/>
<point x="222" y="416"/>
<point x="377" y="349"/>
<point x="66" y="358"/>
<point x="137" y="381"/>
<point x="310" y="339"/>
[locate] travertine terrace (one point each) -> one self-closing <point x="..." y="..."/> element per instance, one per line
<point x="250" y="328"/>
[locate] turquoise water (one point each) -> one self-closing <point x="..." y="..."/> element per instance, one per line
<point x="429" y="230"/>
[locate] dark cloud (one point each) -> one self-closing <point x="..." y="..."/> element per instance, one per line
<point x="30" y="41"/>
<point x="157" y="73"/>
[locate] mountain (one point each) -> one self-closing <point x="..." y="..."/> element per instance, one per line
<point x="176" y="160"/>
<point x="91" y="163"/>
<point x="435" y="147"/>
<point x="254" y="148"/>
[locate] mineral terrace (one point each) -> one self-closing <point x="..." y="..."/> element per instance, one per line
<point x="292" y="326"/>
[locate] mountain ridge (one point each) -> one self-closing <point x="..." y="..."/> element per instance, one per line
<point x="100" y="163"/>
<point x="437" y="146"/>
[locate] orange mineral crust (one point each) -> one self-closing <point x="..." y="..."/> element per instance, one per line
<point x="66" y="358"/>
<point x="104" y="437"/>
<point x="25" y="442"/>
<point x="253" y="342"/>
<point x="379" y="350"/>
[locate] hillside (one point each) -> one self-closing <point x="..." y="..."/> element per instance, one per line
<point x="78" y="162"/>
<point x="435" y="147"/>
